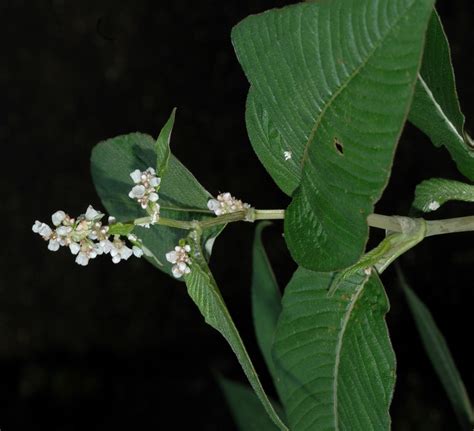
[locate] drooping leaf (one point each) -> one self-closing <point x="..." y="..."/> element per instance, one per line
<point x="181" y="195"/>
<point x="333" y="355"/>
<point x="203" y="290"/>
<point x="435" y="108"/>
<point x="440" y="356"/>
<point x="266" y="298"/>
<point x="333" y="81"/>
<point x="162" y="146"/>
<point x="431" y="194"/>
<point x="246" y="408"/>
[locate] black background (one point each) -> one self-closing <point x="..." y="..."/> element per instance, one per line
<point x="121" y="346"/>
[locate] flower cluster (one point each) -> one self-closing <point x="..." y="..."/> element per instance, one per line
<point x="225" y="203"/>
<point x="181" y="260"/>
<point x="144" y="191"/>
<point x="86" y="237"/>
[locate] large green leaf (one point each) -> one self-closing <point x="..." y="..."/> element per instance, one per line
<point x="431" y="194"/>
<point x="435" y="108"/>
<point x="114" y="159"/>
<point x="203" y="290"/>
<point x="440" y="356"/>
<point x="333" y="354"/>
<point x="266" y="298"/>
<point x="335" y="80"/>
<point x="246" y="408"/>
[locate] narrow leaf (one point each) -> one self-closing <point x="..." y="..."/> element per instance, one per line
<point x="181" y="195"/>
<point x="246" y="408"/>
<point x="333" y="354"/>
<point x="162" y="146"/>
<point x="431" y="194"/>
<point x="332" y="83"/>
<point x="435" y="108"/>
<point x="440" y="356"/>
<point x="203" y="290"/>
<point x="266" y="298"/>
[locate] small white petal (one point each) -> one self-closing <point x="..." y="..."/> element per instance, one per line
<point x="53" y="245"/>
<point x="187" y="248"/>
<point x="213" y="204"/>
<point x="106" y="245"/>
<point x="153" y="197"/>
<point x="37" y="226"/>
<point x="58" y="217"/>
<point x="45" y="231"/>
<point x="82" y="259"/>
<point x="182" y="266"/>
<point x="132" y="237"/>
<point x="116" y="259"/>
<point x="151" y="171"/>
<point x="125" y="252"/>
<point x="137" y="192"/>
<point x="172" y="257"/>
<point x="287" y="155"/>
<point x="136" y="176"/>
<point x="63" y="230"/>
<point x="176" y="272"/>
<point x="112" y="220"/>
<point x="155" y="182"/>
<point x="137" y="251"/>
<point x="433" y="206"/>
<point x="92" y="214"/>
<point x="187" y="270"/>
<point x="74" y="247"/>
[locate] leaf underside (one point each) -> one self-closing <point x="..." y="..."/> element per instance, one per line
<point x="111" y="164"/>
<point x="333" y="354"/>
<point x="331" y="82"/>
<point x="433" y="193"/>
<point x="435" y="109"/>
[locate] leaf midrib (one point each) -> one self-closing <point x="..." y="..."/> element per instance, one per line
<point x="339" y="345"/>
<point x="336" y="94"/>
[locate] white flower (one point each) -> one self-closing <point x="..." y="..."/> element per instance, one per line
<point x="225" y="203"/>
<point x="433" y="206"/>
<point x="92" y="214"/>
<point x="137" y="251"/>
<point x="120" y="251"/>
<point x="74" y="247"/>
<point x="82" y="259"/>
<point x="53" y="245"/>
<point x="287" y="155"/>
<point x="58" y="217"/>
<point x="180" y="258"/>
<point x="136" y="176"/>
<point x="144" y="190"/>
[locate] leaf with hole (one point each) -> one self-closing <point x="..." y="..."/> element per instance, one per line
<point x="332" y="83"/>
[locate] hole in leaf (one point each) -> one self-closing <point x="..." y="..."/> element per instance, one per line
<point x="339" y="146"/>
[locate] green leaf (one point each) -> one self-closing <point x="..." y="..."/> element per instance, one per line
<point x="246" y="408"/>
<point x="435" y="108"/>
<point x="203" y="290"/>
<point x="270" y="147"/>
<point x="335" y="80"/>
<point x="266" y="298"/>
<point x="440" y="356"/>
<point x="431" y="194"/>
<point x="181" y="196"/>
<point x="333" y="354"/>
<point x="162" y="146"/>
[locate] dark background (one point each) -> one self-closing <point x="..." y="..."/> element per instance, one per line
<point x="120" y="346"/>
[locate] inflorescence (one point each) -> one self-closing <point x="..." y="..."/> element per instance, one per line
<point x="181" y="260"/>
<point x="225" y="203"/>
<point x="86" y="237"/>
